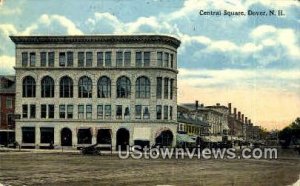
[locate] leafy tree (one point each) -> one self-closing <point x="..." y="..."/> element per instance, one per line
<point x="290" y="133"/>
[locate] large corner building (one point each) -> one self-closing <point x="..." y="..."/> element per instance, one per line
<point x="79" y="90"/>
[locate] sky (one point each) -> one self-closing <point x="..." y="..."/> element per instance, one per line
<point x="251" y="61"/>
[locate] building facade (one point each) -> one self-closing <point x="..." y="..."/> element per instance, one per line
<point x="80" y="90"/>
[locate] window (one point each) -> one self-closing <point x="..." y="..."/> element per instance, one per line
<point x="123" y="87"/>
<point x="166" y="88"/>
<point x="108" y="59"/>
<point x="119" y="112"/>
<point x="142" y="87"/>
<point x="50" y="111"/>
<point x="43" y="56"/>
<point x="127" y="60"/>
<point x="28" y="87"/>
<point x="158" y="112"/>
<point x="51" y="57"/>
<point x="172" y="60"/>
<point x="119" y="59"/>
<point x="100" y="112"/>
<point x="158" y="87"/>
<point x="138" y="59"/>
<point x="24" y="111"/>
<point x="127" y="113"/>
<point x="166" y="59"/>
<point x="24" y="59"/>
<point x="89" y="59"/>
<point x="32" y="59"/>
<point x="85" y="87"/>
<point x="159" y="59"/>
<point x="28" y="134"/>
<point x="171" y="88"/>
<point x="107" y="111"/>
<point x="146" y="59"/>
<point x="66" y="87"/>
<point x="62" y="111"/>
<point x="138" y="111"/>
<point x="70" y="59"/>
<point x="80" y="59"/>
<point x="146" y="113"/>
<point x="32" y="111"/>
<point x="99" y="59"/>
<point x="70" y="111"/>
<point x="104" y="87"/>
<point x="165" y="112"/>
<point x="62" y="59"/>
<point x="171" y="113"/>
<point x="9" y="103"/>
<point x="80" y="111"/>
<point x="47" y="134"/>
<point x="43" y="111"/>
<point x="10" y="120"/>
<point x="47" y="87"/>
<point x="89" y="111"/>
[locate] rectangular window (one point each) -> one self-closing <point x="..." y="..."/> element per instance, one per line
<point x="80" y="59"/>
<point x="166" y="59"/>
<point x="43" y="111"/>
<point x="171" y="88"/>
<point x="32" y="111"/>
<point x="80" y="111"/>
<point x="119" y="112"/>
<point x="159" y="59"/>
<point x="107" y="111"/>
<point x="62" y="111"/>
<point x="138" y="111"/>
<point x="146" y="59"/>
<point x="166" y="88"/>
<point x="165" y="112"/>
<point x="158" y="112"/>
<point x="99" y="59"/>
<point x="172" y="60"/>
<point x="70" y="111"/>
<point x="32" y="59"/>
<point x="146" y="113"/>
<point x="119" y="59"/>
<point x="100" y="112"/>
<point x="70" y="59"/>
<point x="89" y="59"/>
<point x="127" y="59"/>
<point x="158" y="87"/>
<point x="10" y="120"/>
<point x="51" y="57"/>
<point x="43" y="56"/>
<point x="89" y="111"/>
<point x="171" y="113"/>
<point x="62" y="59"/>
<point x="50" y="111"/>
<point x="138" y="59"/>
<point x="9" y="103"/>
<point x="24" y="59"/>
<point x="108" y="59"/>
<point x="24" y="111"/>
<point x="127" y="113"/>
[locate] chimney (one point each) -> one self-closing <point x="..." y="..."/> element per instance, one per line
<point x="201" y="105"/>
<point x="243" y="118"/>
<point x="246" y="120"/>
<point x="218" y="104"/>
<point x="239" y="115"/>
<point x="197" y="104"/>
<point x="234" y="112"/>
<point x="250" y="121"/>
<point x="229" y="108"/>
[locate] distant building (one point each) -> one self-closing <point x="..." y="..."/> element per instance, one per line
<point x="7" y="107"/>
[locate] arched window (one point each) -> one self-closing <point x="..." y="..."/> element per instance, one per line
<point x="66" y="87"/>
<point x="104" y="87"/>
<point x="142" y="87"/>
<point x="29" y="87"/>
<point x="123" y="87"/>
<point x="47" y="87"/>
<point x="85" y="87"/>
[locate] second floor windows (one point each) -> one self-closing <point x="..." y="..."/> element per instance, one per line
<point x="66" y="87"/>
<point x="85" y="87"/>
<point x="28" y="111"/>
<point x="142" y="87"/>
<point x="123" y="87"/>
<point x="47" y="87"/>
<point x="104" y="87"/>
<point x="29" y="87"/>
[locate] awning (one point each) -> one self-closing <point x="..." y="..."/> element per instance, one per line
<point x="142" y="133"/>
<point x="185" y="138"/>
<point x="213" y="139"/>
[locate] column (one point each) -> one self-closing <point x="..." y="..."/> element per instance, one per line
<point x="37" y="136"/>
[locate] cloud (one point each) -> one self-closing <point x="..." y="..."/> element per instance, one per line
<point x="6" y="64"/>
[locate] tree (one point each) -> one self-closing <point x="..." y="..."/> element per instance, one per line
<point x="290" y="134"/>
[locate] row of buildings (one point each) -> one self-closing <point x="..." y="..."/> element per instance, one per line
<point x="74" y="91"/>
